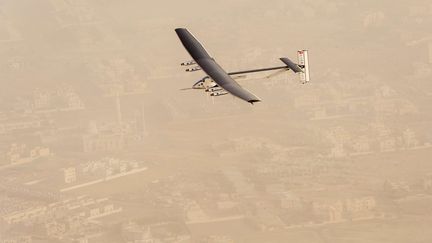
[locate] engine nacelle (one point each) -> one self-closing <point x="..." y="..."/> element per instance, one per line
<point x="188" y="63"/>
<point x="193" y="69"/>
<point x="218" y="93"/>
<point x="214" y="89"/>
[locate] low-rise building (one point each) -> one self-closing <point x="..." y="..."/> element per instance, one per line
<point x="21" y="153"/>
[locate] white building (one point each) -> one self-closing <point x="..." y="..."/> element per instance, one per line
<point x="70" y="175"/>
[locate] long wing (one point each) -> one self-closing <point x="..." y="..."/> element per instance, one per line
<point x="211" y="68"/>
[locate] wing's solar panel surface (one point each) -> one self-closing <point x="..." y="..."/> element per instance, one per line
<point x="211" y="68"/>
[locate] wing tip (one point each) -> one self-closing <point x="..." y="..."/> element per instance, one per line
<point x="253" y="101"/>
<point x="177" y="30"/>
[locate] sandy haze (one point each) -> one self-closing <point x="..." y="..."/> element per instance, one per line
<point x="98" y="143"/>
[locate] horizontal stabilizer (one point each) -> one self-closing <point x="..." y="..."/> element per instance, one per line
<point x="291" y="65"/>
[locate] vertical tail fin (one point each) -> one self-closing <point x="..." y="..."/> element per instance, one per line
<point x="303" y="61"/>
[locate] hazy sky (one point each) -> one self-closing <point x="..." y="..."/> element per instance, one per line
<point x="359" y="132"/>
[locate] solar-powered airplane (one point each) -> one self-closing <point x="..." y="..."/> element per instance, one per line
<point x="218" y="82"/>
